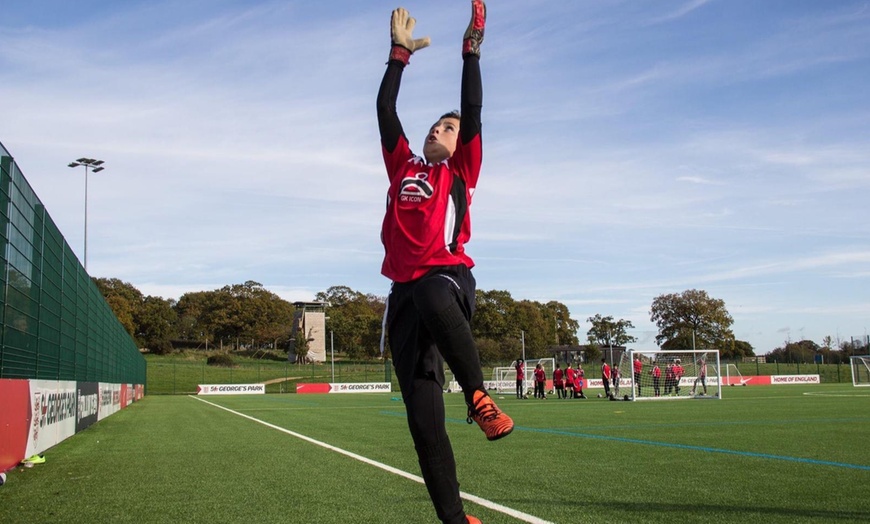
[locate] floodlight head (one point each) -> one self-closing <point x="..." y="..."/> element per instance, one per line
<point x="97" y="169"/>
<point x="83" y="160"/>
<point x="74" y="164"/>
<point x="96" y="162"/>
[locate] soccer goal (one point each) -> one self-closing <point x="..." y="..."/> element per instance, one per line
<point x="505" y="378"/>
<point x="670" y="374"/>
<point x="733" y="377"/>
<point x="860" y="370"/>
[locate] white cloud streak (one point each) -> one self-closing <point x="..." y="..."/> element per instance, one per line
<point x="630" y="149"/>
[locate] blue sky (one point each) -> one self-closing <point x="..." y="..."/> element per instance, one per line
<point x="631" y="148"/>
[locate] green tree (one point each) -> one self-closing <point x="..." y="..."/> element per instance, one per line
<point x="237" y="313"/>
<point x="738" y="350"/>
<point x="605" y="331"/>
<point x="272" y="319"/>
<point x="537" y="330"/>
<point x="354" y="319"/>
<point x="565" y="326"/>
<point x="803" y="352"/>
<point x="123" y="299"/>
<point x="155" y="324"/>
<point x="191" y="316"/>
<point x="300" y="346"/>
<point x="494" y="316"/>
<point x="500" y="322"/>
<point x="251" y="312"/>
<point x="124" y="311"/>
<point x="691" y="319"/>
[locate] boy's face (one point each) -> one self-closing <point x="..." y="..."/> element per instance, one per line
<point x="441" y="141"/>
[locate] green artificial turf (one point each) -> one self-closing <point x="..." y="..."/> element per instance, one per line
<point x="762" y="454"/>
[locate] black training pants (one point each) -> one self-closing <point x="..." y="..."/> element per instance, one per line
<point x="428" y="323"/>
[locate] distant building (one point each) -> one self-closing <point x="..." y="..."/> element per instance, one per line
<point x="309" y="321"/>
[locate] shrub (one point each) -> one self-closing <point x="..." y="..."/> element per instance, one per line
<point x="160" y="346"/>
<point x="221" y="359"/>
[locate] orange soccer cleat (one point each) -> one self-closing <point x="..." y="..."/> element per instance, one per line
<point x="494" y="423"/>
<point x="472" y="520"/>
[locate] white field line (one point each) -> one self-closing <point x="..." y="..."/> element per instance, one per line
<point x="524" y="517"/>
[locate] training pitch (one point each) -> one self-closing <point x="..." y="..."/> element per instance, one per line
<point x="762" y="454"/>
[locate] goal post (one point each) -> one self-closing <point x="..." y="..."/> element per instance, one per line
<point x="860" y="370"/>
<point x="505" y="378"/>
<point x="679" y="374"/>
<point x="733" y="377"/>
<point x="548" y="365"/>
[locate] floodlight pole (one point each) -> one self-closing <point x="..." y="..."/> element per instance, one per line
<point x="96" y="166"/>
<point x="523" y="339"/>
<point x="331" y="348"/>
<point x="610" y="346"/>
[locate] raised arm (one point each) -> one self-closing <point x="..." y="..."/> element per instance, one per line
<point x="388" y="120"/>
<point x="402" y="47"/>
<point x="472" y="88"/>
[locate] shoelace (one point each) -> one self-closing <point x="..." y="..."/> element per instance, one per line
<point x="491" y="413"/>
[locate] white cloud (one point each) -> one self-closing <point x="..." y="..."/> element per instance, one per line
<point x="623" y="158"/>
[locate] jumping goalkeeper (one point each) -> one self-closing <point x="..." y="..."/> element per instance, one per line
<point x="424" y="232"/>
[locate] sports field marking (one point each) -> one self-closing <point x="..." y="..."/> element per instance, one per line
<point x="705" y="449"/>
<point x="519" y="515"/>
<point x="835" y="394"/>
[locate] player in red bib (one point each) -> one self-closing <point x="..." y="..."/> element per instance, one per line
<point x="678" y="375"/>
<point x="702" y="375"/>
<point x="558" y="381"/>
<point x="540" y="382"/>
<point x="520" y="367"/>
<point x="579" y="380"/>
<point x="424" y="232"/>
<point x="605" y="376"/>
<point x="637" y="365"/>
<point x="656" y="373"/>
<point x="669" y="378"/>
<point x="569" y="381"/>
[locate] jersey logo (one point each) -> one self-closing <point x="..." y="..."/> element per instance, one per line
<point x="416" y="188"/>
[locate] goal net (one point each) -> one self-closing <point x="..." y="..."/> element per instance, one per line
<point x="860" y="370"/>
<point x="504" y="379"/>
<point x="656" y="374"/>
<point x="733" y="377"/>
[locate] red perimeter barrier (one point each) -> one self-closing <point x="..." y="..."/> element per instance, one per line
<point x="14" y="421"/>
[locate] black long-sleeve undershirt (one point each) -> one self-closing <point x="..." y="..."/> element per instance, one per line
<point x="471" y="102"/>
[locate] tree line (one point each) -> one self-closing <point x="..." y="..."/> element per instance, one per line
<point x="829" y="351"/>
<point x="248" y="315"/>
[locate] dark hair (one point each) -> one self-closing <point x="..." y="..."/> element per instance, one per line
<point x="452" y="114"/>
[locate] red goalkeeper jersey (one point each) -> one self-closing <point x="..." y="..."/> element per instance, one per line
<point x="427" y="222"/>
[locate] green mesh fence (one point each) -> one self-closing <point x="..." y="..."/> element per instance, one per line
<point x="55" y="323"/>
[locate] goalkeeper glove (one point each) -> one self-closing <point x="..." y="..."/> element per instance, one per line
<point x="474" y="34"/>
<point x="404" y="45"/>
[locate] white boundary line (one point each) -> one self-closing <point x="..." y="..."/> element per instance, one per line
<point x="860" y="394"/>
<point x="524" y="517"/>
